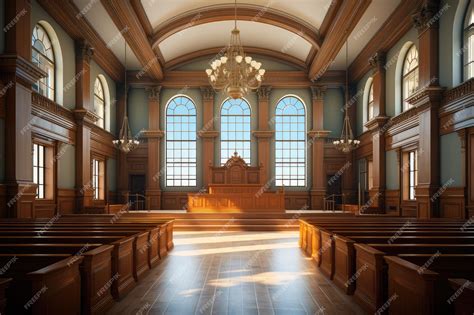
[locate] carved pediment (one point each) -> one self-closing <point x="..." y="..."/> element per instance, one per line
<point x="235" y="171"/>
<point x="235" y="160"/>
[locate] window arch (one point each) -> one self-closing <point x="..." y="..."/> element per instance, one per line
<point x="43" y="56"/>
<point x="235" y="129"/>
<point x="290" y="142"/>
<point x="181" y="142"/>
<point x="468" y="47"/>
<point x="370" y="102"/>
<point x="409" y="75"/>
<point x="99" y="102"/>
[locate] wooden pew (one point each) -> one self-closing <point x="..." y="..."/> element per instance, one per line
<point x="4" y="283"/>
<point x="39" y="281"/>
<point x="463" y="296"/>
<point x="428" y="291"/>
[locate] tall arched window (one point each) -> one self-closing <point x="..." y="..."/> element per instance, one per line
<point x="99" y="102"/>
<point x="290" y="142"/>
<point x="469" y="43"/>
<point x="370" y="102"/>
<point x="235" y="129"/>
<point x="43" y="56"/>
<point x="410" y="75"/>
<point x="181" y="142"/>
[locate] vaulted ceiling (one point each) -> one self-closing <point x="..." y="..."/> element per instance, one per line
<point x="309" y="34"/>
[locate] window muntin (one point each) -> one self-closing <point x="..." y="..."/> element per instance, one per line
<point x="290" y="142"/>
<point x="468" y="48"/>
<point x="370" y="102"/>
<point x="181" y="142"/>
<point x="235" y="130"/>
<point x="43" y="56"/>
<point x="410" y="75"/>
<point x="39" y="170"/>
<point x="99" y="102"/>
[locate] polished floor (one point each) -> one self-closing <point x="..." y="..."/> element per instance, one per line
<point x="222" y="272"/>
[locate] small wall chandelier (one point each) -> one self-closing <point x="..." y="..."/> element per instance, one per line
<point x="125" y="143"/>
<point x="346" y="143"/>
<point x="234" y="72"/>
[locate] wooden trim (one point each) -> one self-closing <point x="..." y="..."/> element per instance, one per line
<point x="387" y="36"/>
<point x="212" y="52"/>
<point x="346" y="19"/>
<point x="329" y="18"/>
<point x="142" y="17"/>
<point x="245" y="13"/>
<point x="66" y="13"/>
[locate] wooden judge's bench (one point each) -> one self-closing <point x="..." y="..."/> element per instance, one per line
<point x="236" y="187"/>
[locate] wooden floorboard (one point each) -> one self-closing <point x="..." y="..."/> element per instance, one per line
<point x="227" y="272"/>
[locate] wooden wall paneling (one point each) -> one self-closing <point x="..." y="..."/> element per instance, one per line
<point x="456" y="112"/>
<point x="452" y="203"/>
<point x="392" y="202"/>
<point x="66" y="201"/>
<point x="174" y="200"/>
<point x="297" y="200"/>
<point x="470" y="171"/>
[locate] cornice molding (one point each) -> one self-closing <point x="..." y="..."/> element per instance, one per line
<point x="208" y="134"/>
<point x="150" y="134"/>
<point x="24" y="69"/>
<point x="318" y="134"/>
<point x="263" y="134"/>
<point x="76" y="25"/>
<point x="377" y="123"/>
<point x="125" y="18"/>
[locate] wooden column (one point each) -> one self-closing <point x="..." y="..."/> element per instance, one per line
<point x="17" y="74"/>
<point x="317" y="140"/>
<point x="154" y="135"/>
<point x="208" y="134"/>
<point x="264" y="134"/>
<point x="85" y="119"/>
<point x="428" y="99"/>
<point x="376" y="126"/>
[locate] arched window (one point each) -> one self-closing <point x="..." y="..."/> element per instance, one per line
<point x="370" y="102"/>
<point x="469" y="43"/>
<point x="410" y="75"/>
<point x="180" y="142"/>
<point x="290" y="142"/>
<point x="99" y="102"/>
<point x="235" y="129"/>
<point x="43" y="56"/>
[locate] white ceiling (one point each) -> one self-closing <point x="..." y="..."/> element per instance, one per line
<point x="100" y="20"/>
<point x="217" y="34"/>
<point x="374" y="17"/>
<point x="310" y="11"/>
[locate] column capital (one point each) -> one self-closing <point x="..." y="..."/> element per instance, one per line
<point x="154" y="92"/>
<point x="318" y="91"/>
<point x="84" y="50"/>
<point x="207" y="93"/>
<point x="263" y="92"/>
<point x="428" y="15"/>
<point x="377" y="61"/>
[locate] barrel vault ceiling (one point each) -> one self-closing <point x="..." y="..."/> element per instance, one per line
<point x="307" y="33"/>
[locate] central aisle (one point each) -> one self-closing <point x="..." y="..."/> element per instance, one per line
<point x="236" y="273"/>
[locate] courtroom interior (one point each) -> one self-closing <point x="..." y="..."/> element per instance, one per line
<point x="237" y="157"/>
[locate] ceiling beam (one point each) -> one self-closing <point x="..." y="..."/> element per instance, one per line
<point x="329" y="18"/>
<point x="128" y="23"/>
<point x="347" y="17"/>
<point x="244" y="13"/>
<point x="66" y="14"/>
<point x="212" y="52"/>
<point x="141" y="14"/>
<point x="396" y="26"/>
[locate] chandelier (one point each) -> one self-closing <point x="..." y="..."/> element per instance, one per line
<point x="125" y="142"/>
<point x="346" y="143"/>
<point x="234" y="72"/>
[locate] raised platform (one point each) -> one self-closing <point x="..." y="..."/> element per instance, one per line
<point x="185" y="221"/>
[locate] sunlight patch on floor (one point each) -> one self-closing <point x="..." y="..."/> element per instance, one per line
<point x="232" y="249"/>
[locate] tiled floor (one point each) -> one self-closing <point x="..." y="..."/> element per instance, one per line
<point x="236" y="273"/>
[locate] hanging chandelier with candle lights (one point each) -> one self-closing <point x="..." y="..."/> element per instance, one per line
<point x="346" y="143"/>
<point x="126" y="142"/>
<point x="235" y="73"/>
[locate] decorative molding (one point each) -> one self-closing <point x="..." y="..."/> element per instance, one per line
<point x="246" y="13"/>
<point x="154" y="92"/>
<point x="50" y="106"/>
<point x="147" y="134"/>
<point x="141" y="14"/>
<point x="207" y="93"/>
<point x="318" y="91"/>
<point x="377" y="123"/>
<point x="424" y="18"/>
<point x="458" y="92"/>
<point x="397" y="25"/>
<point x="208" y="134"/>
<point x="377" y="61"/>
<point x="125" y="19"/>
<point x="263" y="134"/>
<point x="318" y="134"/>
<point x="346" y="19"/>
<point x="76" y="25"/>
<point x="24" y="69"/>
<point x="329" y="18"/>
<point x="263" y="92"/>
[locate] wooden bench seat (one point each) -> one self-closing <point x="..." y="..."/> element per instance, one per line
<point x="39" y="281"/>
<point x="463" y="296"/>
